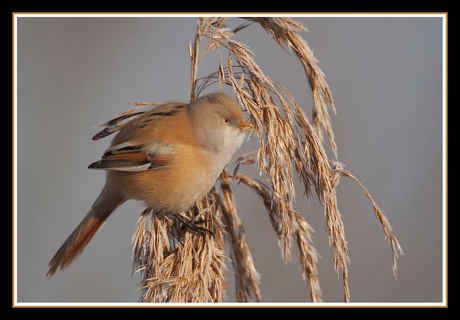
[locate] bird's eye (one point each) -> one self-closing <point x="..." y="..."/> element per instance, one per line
<point x="226" y="120"/>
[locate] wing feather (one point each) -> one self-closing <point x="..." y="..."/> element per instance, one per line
<point x="116" y="124"/>
<point x="134" y="158"/>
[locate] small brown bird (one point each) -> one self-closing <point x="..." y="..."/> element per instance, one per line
<point x="168" y="157"/>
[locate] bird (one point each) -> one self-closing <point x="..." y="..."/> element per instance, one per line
<point x="168" y="157"/>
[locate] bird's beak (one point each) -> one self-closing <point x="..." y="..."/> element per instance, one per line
<point x="246" y="126"/>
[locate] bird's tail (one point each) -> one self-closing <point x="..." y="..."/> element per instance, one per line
<point x="105" y="204"/>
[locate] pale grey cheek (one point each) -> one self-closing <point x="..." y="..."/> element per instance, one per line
<point x="238" y="140"/>
<point x="229" y="142"/>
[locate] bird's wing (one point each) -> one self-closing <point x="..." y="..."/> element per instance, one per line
<point x="135" y="157"/>
<point x="116" y="124"/>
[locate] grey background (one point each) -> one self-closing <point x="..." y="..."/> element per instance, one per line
<point x="385" y="74"/>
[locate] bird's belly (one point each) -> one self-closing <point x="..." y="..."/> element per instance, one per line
<point x="171" y="189"/>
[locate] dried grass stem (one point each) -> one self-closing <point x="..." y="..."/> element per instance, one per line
<point x="182" y="265"/>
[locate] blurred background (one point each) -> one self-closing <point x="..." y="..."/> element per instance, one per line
<point x="385" y="74"/>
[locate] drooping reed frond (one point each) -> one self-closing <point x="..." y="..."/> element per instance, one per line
<point x="179" y="262"/>
<point x="177" y="265"/>
<point x="246" y="276"/>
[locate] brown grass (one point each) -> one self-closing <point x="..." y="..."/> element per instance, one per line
<point x="180" y="264"/>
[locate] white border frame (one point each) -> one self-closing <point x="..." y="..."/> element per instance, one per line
<point x="351" y="304"/>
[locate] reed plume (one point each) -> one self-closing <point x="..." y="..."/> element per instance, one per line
<point x="183" y="264"/>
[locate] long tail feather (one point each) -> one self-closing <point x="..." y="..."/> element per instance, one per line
<point x="105" y="204"/>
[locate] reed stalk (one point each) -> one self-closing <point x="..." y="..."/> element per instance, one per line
<point x="183" y="265"/>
